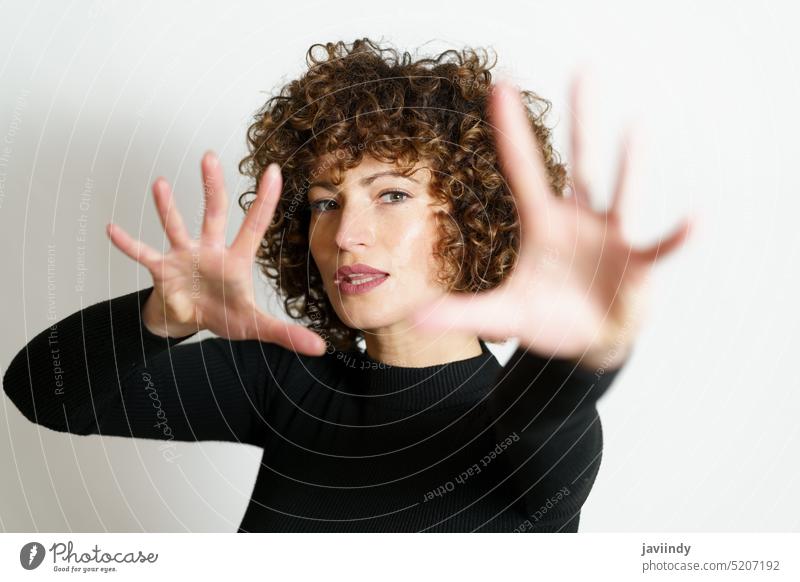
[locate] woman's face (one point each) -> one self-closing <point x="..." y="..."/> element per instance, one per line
<point x="381" y="221"/>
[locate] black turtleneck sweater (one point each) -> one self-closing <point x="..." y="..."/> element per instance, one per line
<point x="350" y="444"/>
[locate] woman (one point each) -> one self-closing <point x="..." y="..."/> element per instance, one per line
<point x="416" y="206"/>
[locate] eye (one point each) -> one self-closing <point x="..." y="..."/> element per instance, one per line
<point x="394" y="192"/>
<point x="321" y="205"/>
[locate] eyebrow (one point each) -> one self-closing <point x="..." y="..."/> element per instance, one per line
<point x="366" y="181"/>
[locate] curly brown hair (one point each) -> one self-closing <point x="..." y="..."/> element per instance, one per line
<point x="367" y="99"/>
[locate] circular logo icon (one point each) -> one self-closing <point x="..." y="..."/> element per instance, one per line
<point x="31" y="555"/>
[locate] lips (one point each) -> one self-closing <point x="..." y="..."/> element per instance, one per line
<point x="359" y="278"/>
<point x="358" y="273"/>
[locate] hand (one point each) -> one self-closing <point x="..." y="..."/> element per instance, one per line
<point x="578" y="287"/>
<point x="202" y="284"/>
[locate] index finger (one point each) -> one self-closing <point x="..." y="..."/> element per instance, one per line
<point x="520" y="154"/>
<point x="216" y="201"/>
<point x="260" y="212"/>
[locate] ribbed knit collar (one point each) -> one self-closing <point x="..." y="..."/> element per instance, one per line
<point x="457" y="383"/>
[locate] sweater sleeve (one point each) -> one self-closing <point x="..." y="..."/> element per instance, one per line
<point x="545" y="415"/>
<point x="101" y="371"/>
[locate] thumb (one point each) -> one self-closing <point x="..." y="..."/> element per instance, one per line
<point x="291" y="336"/>
<point x="481" y="314"/>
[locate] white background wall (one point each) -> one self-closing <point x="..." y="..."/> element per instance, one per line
<point x="701" y="428"/>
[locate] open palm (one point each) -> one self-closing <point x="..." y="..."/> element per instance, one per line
<point x="578" y="287"/>
<point x="202" y="283"/>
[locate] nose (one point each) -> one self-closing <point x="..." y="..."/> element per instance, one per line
<point x="356" y="228"/>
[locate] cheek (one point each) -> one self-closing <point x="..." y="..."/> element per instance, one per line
<point x="411" y="247"/>
<point x="322" y="254"/>
<point x="321" y="243"/>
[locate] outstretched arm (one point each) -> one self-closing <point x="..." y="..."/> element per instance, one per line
<point x="575" y="302"/>
<point x="115" y="367"/>
<point x="101" y="371"/>
<point x="547" y="408"/>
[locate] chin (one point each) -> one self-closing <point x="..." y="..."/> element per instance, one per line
<point x="365" y="319"/>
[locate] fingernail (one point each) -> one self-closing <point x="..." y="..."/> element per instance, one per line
<point x="501" y="82"/>
<point x="502" y="78"/>
<point x="273" y="171"/>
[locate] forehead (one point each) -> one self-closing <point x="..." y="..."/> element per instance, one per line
<point x="326" y="169"/>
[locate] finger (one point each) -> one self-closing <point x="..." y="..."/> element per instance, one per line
<point x="555" y="319"/>
<point x="484" y="315"/>
<point x="520" y="155"/>
<point x="216" y="201"/>
<point x="291" y="336"/>
<point x="135" y="249"/>
<point x="666" y="245"/>
<point x="628" y="163"/>
<point x="171" y="219"/>
<point x="260" y="213"/>
<point x="580" y="138"/>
